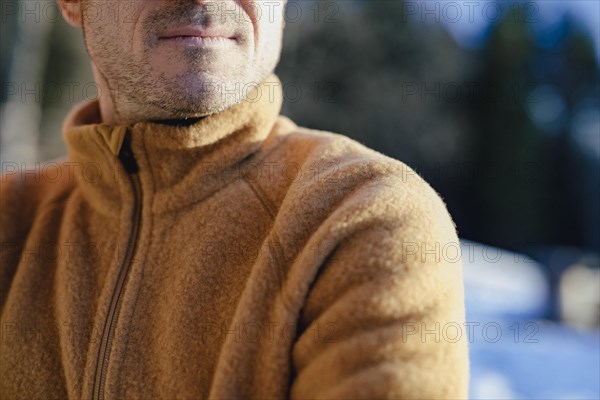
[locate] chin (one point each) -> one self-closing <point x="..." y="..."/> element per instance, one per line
<point x="190" y="107"/>
<point x="195" y="94"/>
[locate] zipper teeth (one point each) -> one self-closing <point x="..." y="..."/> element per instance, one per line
<point x="113" y="313"/>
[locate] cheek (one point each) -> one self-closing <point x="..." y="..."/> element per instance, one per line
<point x="130" y="33"/>
<point x="111" y="26"/>
<point x="250" y="7"/>
<point x="254" y="12"/>
<point x="268" y="22"/>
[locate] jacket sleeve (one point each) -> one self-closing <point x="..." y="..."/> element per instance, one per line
<point x="384" y="318"/>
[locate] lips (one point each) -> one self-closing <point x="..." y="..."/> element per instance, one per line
<point x="197" y="32"/>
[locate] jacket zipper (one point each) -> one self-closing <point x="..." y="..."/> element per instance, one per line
<point x="128" y="160"/>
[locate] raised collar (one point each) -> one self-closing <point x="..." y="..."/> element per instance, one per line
<point x="178" y="165"/>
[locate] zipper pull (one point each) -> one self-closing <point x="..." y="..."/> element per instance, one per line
<point x="126" y="155"/>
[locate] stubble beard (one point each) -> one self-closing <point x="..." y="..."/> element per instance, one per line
<point x="140" y="94"/>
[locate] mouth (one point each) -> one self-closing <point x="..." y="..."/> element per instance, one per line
<point x="196" y="36"/>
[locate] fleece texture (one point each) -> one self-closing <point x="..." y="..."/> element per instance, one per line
<point x="242" y="256"/>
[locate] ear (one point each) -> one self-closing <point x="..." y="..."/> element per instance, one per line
<point x="71" y="11"/>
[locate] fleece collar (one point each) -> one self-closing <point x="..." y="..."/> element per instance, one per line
<point x="178" y="165"/>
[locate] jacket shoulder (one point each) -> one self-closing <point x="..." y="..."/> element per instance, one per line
<point x="343" y="158"/>
<point x="339" y="181"/>
<point x="25" y="192"/>
<point x="332" y="162"/>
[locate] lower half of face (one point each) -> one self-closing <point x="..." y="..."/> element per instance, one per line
<point x="182" y="59"/>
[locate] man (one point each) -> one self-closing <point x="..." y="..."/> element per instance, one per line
<point x="196" y="244"/>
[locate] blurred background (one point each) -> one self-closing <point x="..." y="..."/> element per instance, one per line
<point x="495" y="104"/>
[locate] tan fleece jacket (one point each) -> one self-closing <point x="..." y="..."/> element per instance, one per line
<point x="241" y="256"/>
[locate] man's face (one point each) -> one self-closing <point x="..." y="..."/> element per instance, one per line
<point x="165" y="59"/>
